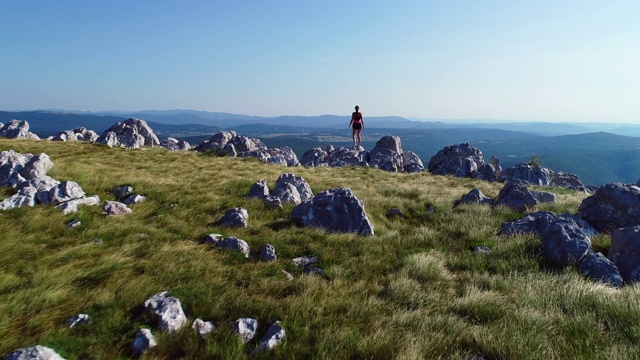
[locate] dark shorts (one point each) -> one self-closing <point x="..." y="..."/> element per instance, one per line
<point x="357" y="126"/>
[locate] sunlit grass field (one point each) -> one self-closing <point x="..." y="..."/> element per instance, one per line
<point x="414" y="290"/>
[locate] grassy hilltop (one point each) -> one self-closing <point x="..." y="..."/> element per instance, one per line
<point x="412" y="291"/>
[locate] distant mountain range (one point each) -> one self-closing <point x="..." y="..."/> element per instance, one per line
<point x="598" y="153"/>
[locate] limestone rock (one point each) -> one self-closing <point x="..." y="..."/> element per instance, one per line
<point x="259" y="190"/>
<point x="65" y="191"/>
<point x="24" y="197"/>
<point x="77" y="134"/>
<point x="334" y="157"/>
<point x="169" y="311"/>
<point x="463" y="161"/>
<point x="217" y="141"/>
<point x="568" y="181"/>
<point x="273" y="202"/>
<point x="335" y="210"/>
<point x="275" y="336"/>
<point x="77" y="320"/>
<point x="36" y="167"/>
<point x="134" y="199"/>
<point x="11" y="164"/>
<point x="544" y="196"/>
<point x="536" y="223"/>
<point x="130" y="134"/>
<point x="387" y="154"/>
<point x="236" y="217"/>
<point x="43" y="186"/>
<point x="246" y="328"/>
<point x="121" y="192"/>
<point x="268" y="253"/>
<point x="304" y="190"/>
<point x="612" y="206"/>
<point x="412" y="162"/>
<point x="203" y="327"/>
<point x="17" y="129"/>
<point x="528" y="174"/>
<point x="597" y="267"/>
<point x="516" y="195"/>
<point x="475" y="196"/>
<point x="143" y="342"/>
<point x="230" y="243"/>
<point x="625" y="252"/>
<point x="72" y="205"/>
<point x="112" y="208"/>
<point x="283" y="156"/>
<point x="37" y="352"/>
<point x="174" y="144"/>
<point x="564" y="244"/>
<point x="287" y="193"/>
<point x="304" y="260"/>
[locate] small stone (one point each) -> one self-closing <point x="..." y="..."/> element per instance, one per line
<point x="97" y="241"/>
<point x="134" y="199"/>
<point x="481" y="250"/>
<point x="121" y="192"/>
<point x="112" y="208"/>
<point x="268" y="253"/>
<point x="288" y="275"/>
<point x="203" y="327"/>
<point x="275" y="336"/>
<point x="304" y="260"/>
<point x="74" y="223"/>
<point x="246" y="328"/>
<point x="168" y="310"/>
<point x="80" y="319"/>
<point x="143" y="342"/>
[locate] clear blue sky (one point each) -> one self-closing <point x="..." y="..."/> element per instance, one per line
<point x="549" y="60"/>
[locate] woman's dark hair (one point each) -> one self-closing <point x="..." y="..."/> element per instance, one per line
<point x="357" y="107"/>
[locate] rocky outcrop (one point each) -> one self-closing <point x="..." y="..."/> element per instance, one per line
<point x="528" y="174"/>
<point x="625" y="252"/>
<point x="228" y="143"/>
<point x="16" y="168"/>
<point x="335" y="210"/>
<point x="464" y="161"/>
<point x="17" y="129"/>
<point x="289" y="189"/>
<point x="129" y="134"/>
<point x="174" y="144"/>
<point x="259" y="190"/>
<point x="168" y="310"/>
<point x="387" y="154"/>
<point x="536" y="223"/>
<point x="331" y="156"/>
<point x="612" y="206"/>
<point x="516" y="195"/>
<point x="77" y="134"/>
<point x="35" y="353"/>
<point x="475" y="196"/>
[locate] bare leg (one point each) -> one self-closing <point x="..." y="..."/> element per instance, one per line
<point x="353" y="135"/>
<point x="359" y="138"/>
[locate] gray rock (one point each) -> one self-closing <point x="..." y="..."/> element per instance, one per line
<point x="259" y="190"/>
<point x="481" y="250"/>
<point x="11" y="164"/>
<point x="275" y="336"/>
<point x="230" y="243"/>
<point x="597" y="267"/>
<point x="174" y="144"/>
<point x="36" y="167"/>
<point x="121" y="192"/>
<point x="516" y="195"/>
<point x="130" y="134"/>
<point x="625" y="252"/>
<point x="273" y="202"/>
<point x="65" y="191"/>
<point x="334" y="157"/>
<point x="245" y="328"/>
<point x="217" y="141"/>
<point x="545" y="196"/>
<point x="74" y="223"/>
<point x="43" y="186"/>
<point x="298" y="182"/>
<point x="168" y="310"/>
<point x="287" y="193"/>
<point x="26" y="196"/>
<point x="17" y="129"/>
<point x="536" y="223"/>
<point x="77" y="320"/>
<point x="564" y="244"/>
<point x="528" y="174"/>
<point x="143" y="342"/>
<point x="268" y="253"/>
<point x="612" y="206"/>
<point x="236" y="217"/>
<point x="387" y="154"/>
<point x="112" y="208"/>
<point x="568" y="181"/>
<point x="37" y="352"/>
<point x="203" y="327"/>
<point x="335" y="210"/>
<point x="283" y="155"/>
<point x="304" y="260"/>
<point x="77" y="134"/>
<point x="475" y="196"/>
<point x="412" y="162"/>
<point x="72" y="205"/>
<point x="134" y="199"/>
<point x="310" y="270"/>
<point x="229" y="150"/>
<point x="462" y="161"/>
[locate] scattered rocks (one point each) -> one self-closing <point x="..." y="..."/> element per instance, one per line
<point x="230" y="243"/>
<point x="65" y="191"/>
<point x="77" y="320"/>
<point x="203" y="327"/>
<point x="568" y="181"/>
<point x="231" y="144"/>
<point x="37" y="352"/>
<point x="114" y="208"/>
<point x="129" y="134"/>
<point x="174" y="144"/>
<point x="77" y="134"/>
<point x="564" y="244"/>
<point x="516" y="195"/>
<point x="335" y="210"/>
<point x="275" y="336"/>
<point x="597" y="267"/>
<point x="463" y="161"/>
<point x="121" y="192"/>
<point x="169" y="311"/>
<point x="236" y="217"/>
<point x="268" y="253"/>
<point x="143" y="342"/>
<point x="625" y="252"/>
<point x="475" y="196"/>
<point x="17" y="129"/>
<point x="245" y="328"/>
<point x="612" y="206"/>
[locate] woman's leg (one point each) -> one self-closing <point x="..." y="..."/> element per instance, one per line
<point x="353" y="135"/>
<point x="359" y="137"/>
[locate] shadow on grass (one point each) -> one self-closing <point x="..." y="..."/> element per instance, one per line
<point x="281" y="224"/>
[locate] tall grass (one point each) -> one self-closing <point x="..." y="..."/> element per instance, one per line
<point x="413" y="291"/>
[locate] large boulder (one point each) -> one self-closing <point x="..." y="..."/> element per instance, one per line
<point x="336" y="210"/>
<point x="329" y="155"/>
<point x="528" y="174"/>
<point x="536" y="223"/>
<point x="625" y="252"/>
<point x="298" y="182"/>
<point x="24" y="197"/>
<point x="387" y="154"/>
<point x="516" y="195"/>
<point x="130" y="134"/>
<point x="612" y="206"/>
<point x="568" y="181"/>
<point x="174" y="144"/>
<point x="463" y="161"/>
<point x="287" y="193"/>
<point x="564" y="244"/>
<point x="412" y="162"/>
<point x="168" y="310"/>
<point x="37" y="352"/>
<point x="597" y="267"/>
<point x="17" y="129"/>
<point x="77" y="134"/>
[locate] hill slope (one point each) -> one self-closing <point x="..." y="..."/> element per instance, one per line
<point x="414" y="290"/>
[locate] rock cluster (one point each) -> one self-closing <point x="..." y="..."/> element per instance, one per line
<point x="230" y="144"/>
<point x="539" y="175"/>
<point x="464" y="161"/>
<point x="17" y="129"/>
<point x="174" y="144"/>
<point x="129" y="134"/>
<point x="28" y="174"/>
<point x="612" y="206"/>
<point x="289" y="189"/>
<point x="77" y="134"/>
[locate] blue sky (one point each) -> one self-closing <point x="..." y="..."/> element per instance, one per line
<point x="508" y="60"/>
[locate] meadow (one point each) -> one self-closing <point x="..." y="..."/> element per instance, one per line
<point x="414" y="290"/>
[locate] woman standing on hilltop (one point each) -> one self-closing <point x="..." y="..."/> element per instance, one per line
<point x="357" y="124"/>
